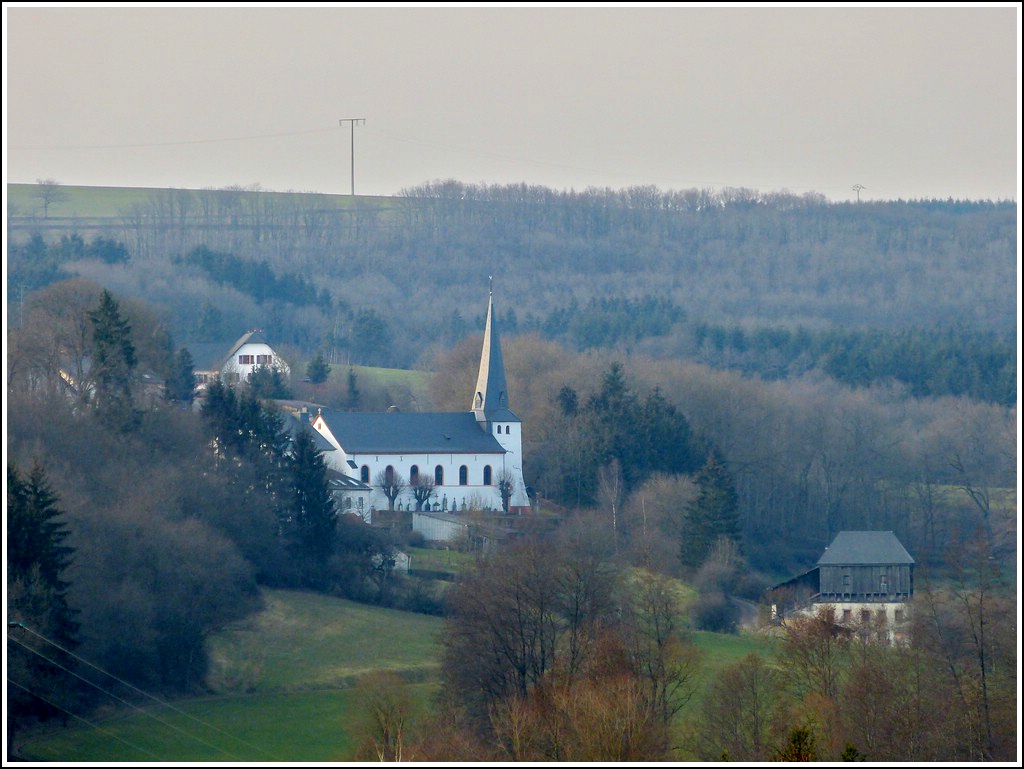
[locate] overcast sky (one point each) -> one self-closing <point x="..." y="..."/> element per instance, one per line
<point x="910" y="102"/>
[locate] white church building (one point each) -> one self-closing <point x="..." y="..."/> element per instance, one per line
<point x="467" y="455"/>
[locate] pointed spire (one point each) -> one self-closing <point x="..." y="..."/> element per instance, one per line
<point x="491" y="392"/>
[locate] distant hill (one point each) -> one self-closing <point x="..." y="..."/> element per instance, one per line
<point x="382" y="281"/>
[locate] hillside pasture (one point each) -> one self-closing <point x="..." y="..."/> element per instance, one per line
<point x="282" y="689"/>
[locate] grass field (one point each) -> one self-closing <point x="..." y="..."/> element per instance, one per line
<point x="283" y="686"/>
<point x="432" y="559"/>
<point x="284" y="689"/>
<point x="304" y="641"/>
<point x="105" y="202"/>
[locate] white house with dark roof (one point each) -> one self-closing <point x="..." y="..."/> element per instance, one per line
<point x="234" y="364"/>
<point x="466" y="454"/>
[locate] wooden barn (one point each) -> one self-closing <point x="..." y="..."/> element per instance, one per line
<point x="865" y="567"/>
<point x="866" y="576"/>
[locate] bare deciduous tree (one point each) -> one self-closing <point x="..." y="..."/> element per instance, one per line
<point x="391" y="484"/>
<point x="50" y="193"/>
<point x="387" y="710"/>
<point x="423" y="489"/>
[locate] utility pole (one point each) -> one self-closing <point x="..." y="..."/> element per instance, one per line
<point x="857" y="188"/>
<point x="352" y="122"/>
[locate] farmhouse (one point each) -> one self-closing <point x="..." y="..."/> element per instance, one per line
<point x="868" y="576"/>
<point x="234" y="363"/>
<point x="436" y="462"/>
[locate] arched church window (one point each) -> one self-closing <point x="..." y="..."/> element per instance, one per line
<point x="414" y="475"/>
<point x="439" y="476"/>
<point x="364" y="473"/>
<point x="498" y="429"/>
<point x="389" y="475"/>
<point x="487" y="475"/>
<point x="507" y="429"/>
<point x="463" y="475"/>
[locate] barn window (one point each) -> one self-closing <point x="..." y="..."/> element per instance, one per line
<point x="847" y="615"/>
<point x="487" y="475"/>
<point x="364" y="473"/>
<point x="439" y="476"/>
<point x="414" y="475"/>
<point x="865" y="616"/>
<point x="899" y="615"/>
<point x="463" y="475"/>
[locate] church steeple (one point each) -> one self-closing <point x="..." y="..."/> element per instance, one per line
<point x="491" y="393"/>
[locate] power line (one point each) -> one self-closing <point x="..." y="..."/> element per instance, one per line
<point x="156" y="699"/>
<point x="138" y="145"/>
<point x="85" y="721"/>
<point x="113" y="696"/>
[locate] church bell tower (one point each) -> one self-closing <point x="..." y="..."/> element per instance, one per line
<point x="491" y="407"/>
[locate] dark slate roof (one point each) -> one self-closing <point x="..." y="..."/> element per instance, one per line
<point x="490" y="382"/>
<point x="347" y="483"/>
<point x="253" y="337"/>
<point x="210" y="356"/>
<point x="206" y="356"/>
<point x="320" y="442"/>
<point x="502" y="415"/>
<point x="864" y="548"/>
<point x="410" y="433"/>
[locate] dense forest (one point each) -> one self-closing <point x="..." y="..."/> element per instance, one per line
<point x="774" y="283"/>
<point x="711" y="385"/>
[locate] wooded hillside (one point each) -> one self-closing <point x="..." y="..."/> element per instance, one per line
<point x="772" y="283"/>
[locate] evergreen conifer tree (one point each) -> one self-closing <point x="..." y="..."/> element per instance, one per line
<point x="182" y="380"/>
<point x="113" y="363"/>
<point x="43" y="629"/>
<point x="713" y="513"/>
<point x="318" y="370"/>
<point x="312" y="520"/>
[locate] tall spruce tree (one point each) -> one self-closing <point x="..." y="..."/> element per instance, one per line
<point x="113" y="364"/>
<point x="181" y="382"/>
<point x="43" y="629"/>
<point x="713" y="513"/>
<point x="311" y="517"/>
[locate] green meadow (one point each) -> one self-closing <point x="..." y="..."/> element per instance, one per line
<point x="85" y="202"/>
<point x="284" y="686"/>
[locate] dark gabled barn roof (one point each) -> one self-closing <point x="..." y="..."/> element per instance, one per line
<point x="410" y="433"/>
<point x="865" y="548"/>
<point x="211" y="356"/>
<point x="206" y="356"/>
